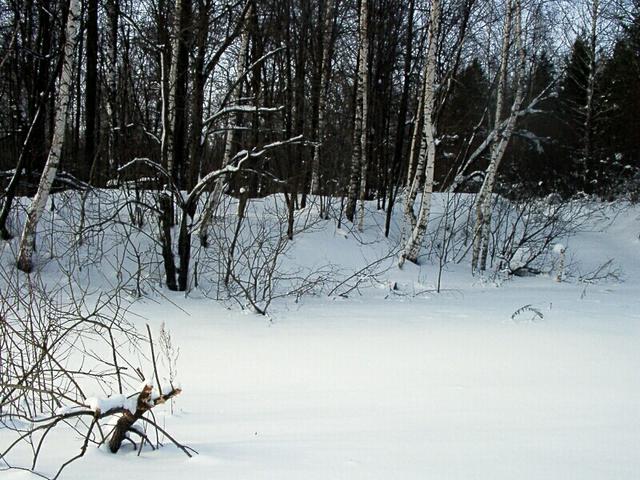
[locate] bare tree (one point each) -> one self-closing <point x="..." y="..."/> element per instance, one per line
<point x="177" y="97"/>
<point x="483" y="201"/>
<point x="111" y="72"/>
<point x="325" y="75"/>
<point x="359" y="165"/>
<point x="177" y="276"/>
<point x="232" y="124"/>
<point x="27" y="241"/>
<point x="427" y="158"/>
<point x="50" y="364"/>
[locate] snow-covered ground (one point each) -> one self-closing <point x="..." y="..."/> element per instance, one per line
<point x="404" y="384"/>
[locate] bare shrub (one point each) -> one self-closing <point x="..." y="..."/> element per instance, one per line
<point x="60" y="345"/>
<point x="524" y="232"/>
<point x="249" y="243"/>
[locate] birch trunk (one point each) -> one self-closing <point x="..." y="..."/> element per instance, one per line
<point x="359" y="125"/>
<point x="415" y="174"/>
<point x="364" y="88"/>
<point x="483" y="202"/>
<point x="178" y="90"/>
<point x="426" y="161"/>
<point x="482" y="224"/>
<point x="27" y="241"/>
<point x="111" y="80"/>
<point x="170" y="109"/>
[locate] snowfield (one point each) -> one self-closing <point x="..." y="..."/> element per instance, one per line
<point x="526" y="378"/>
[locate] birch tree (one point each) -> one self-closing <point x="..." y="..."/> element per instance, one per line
<point x="111" y="72"/>
<point x="359" y="156"/>
<point x="178" y="90"/>
<point x="363" y="73"/>
<point x="483" y="200"/>
<point x="27" y="240"/>
<point x="427" y="156"/>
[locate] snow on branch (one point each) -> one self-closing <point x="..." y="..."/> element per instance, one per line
<point x="236" y="164"/>
<point x="247" y="70"/>
<point x="145" y="161"/>
<point x="158" y="168"/>
<point x="148" y="398"/>
<point x="241" y="109"/>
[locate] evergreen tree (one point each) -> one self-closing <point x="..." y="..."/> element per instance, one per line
<point x="535" y="161"/>
<point x="581" y="118"/>
<point x="621" y="86"/>
<point x="463" y="112"/>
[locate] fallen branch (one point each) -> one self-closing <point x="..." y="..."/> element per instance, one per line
<point x="146" y="401"/>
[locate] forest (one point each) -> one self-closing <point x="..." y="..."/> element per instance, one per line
<point x="224" y="158"/>
<point x="368" y="101"/>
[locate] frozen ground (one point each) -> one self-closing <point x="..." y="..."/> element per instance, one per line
<point x="389" y="386"/>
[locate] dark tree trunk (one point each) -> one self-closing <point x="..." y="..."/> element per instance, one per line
<point x="10" y="191"/>
<point x="184" y="252"/>
<point x="179" y="127"/>
<point x="166" y="221"/>
<point x="197" y="104"/>
<point x="395" y="180"/>
<point x="91" y="92"/>
<point x="242" y="205"/>
<point x="37" y="148"/>
<point x="124" y="424"/>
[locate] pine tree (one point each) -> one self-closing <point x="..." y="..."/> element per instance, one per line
<point x="621" y="97"/>
<point x="534" y="162"/>
<point x="572" y="98"/>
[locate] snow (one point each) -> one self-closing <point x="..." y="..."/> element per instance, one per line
<point x="401" y="384"/>
<point x="102" y="404"/>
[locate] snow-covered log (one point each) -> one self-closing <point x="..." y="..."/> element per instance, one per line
<point x="133" y="411"/>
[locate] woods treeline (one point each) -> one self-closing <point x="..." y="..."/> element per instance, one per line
<point x="381" y="100"/>
<point x="152" y="145"/>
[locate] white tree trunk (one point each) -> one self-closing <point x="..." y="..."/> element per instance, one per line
<point x="483" y="201"/>
<point x="364" y="86"/>
<point x="418" y="142"/>
<point x="27" y="241"/>
<point x="111" y="79"/>
<point x="426" y="161"/>
<point x="170" y="109"/>
<point x="416" y="136"/>
<point x="357" y="164"/>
